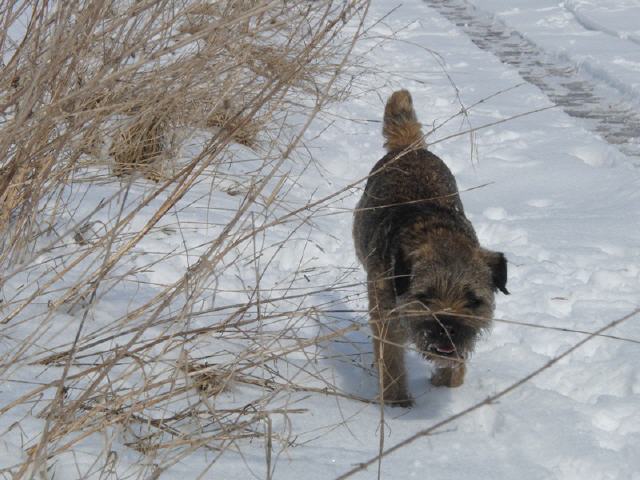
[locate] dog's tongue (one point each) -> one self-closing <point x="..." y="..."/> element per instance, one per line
<point x="449" y="349"/>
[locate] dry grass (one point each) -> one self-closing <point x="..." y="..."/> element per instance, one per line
<point x="82" y="73"/>
<point x="93" y="93"/>
<point x="230" y="120"/>
<point x="138" y="146"/>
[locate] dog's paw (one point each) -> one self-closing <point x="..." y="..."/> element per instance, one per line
<point x="401" y="400"/>
<point x="404" y="403"/>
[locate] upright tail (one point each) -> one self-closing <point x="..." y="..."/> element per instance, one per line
<point x="400" y="127"/>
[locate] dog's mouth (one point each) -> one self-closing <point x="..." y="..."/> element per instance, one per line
<point x="444" y="350"/>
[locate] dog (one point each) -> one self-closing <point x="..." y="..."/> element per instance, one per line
<point x="429" y="281"/>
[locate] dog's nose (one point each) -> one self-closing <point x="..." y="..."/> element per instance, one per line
<point x="446" y="331"/>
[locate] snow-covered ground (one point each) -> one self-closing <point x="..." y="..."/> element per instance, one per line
<point x="601" y="36"/>
<point x="554" y="196"/>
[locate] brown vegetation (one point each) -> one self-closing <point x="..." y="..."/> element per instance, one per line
<point x="94" y="88"/>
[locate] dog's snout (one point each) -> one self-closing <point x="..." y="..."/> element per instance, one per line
<point x="443" y="330"/>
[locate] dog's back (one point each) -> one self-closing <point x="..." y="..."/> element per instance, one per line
<point x="406" y="180"/>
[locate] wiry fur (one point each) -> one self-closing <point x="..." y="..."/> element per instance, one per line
<point x="429" y="281"/>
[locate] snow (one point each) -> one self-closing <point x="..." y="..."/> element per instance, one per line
<point x="599" y="36"/>
<point x="557" y="199"/>
<point x="618" y="19"/>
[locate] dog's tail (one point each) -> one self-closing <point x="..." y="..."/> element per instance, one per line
<point x="400" y="127"/>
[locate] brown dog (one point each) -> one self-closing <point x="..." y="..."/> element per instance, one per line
<point x="429" y="281"/>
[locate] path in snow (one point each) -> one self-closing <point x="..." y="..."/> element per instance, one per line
<point x="595" y="18"/>
<point x="605" y="109"/>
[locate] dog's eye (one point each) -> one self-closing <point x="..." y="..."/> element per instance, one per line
<point x="473" y="301"/>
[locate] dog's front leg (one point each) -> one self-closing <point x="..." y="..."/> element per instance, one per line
<point x="452" y="376"/>
<point x="388" y="342"/>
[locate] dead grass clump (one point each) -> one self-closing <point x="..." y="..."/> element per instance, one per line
<point x="207" y="379"/>
<point x="242" y="131"/>
<point x="139" y="148"/>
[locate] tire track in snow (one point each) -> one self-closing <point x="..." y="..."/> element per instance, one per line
<point x="603" y="108"/>
<point x="588" y="24"/>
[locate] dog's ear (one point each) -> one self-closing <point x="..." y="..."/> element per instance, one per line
<point x="498" y="265"/>
<point x="401" y="274"/>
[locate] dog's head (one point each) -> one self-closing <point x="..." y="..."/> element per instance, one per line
<point x="446" y="298"/>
